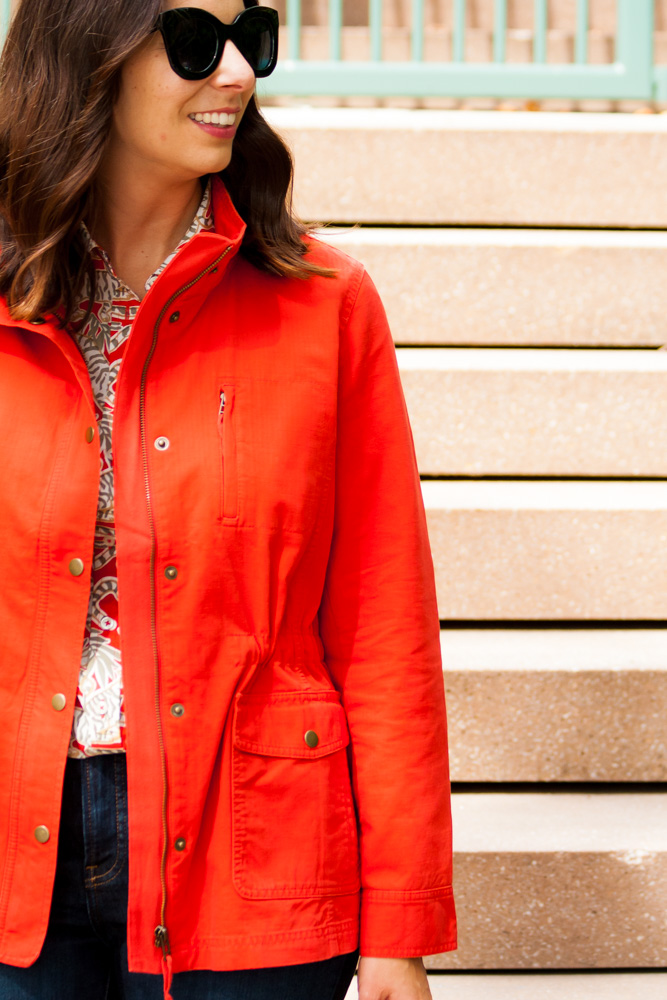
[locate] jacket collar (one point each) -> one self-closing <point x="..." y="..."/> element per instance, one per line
<point x="195" y="257"/>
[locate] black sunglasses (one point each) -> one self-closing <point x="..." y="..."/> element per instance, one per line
<point x="195" y="39"/>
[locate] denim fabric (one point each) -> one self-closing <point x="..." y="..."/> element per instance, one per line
<point x="85" y="951"/>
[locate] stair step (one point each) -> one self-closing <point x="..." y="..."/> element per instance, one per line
<point x="470" y="167"/>
<point x="516" y="286"/>
<point x="546" y="986"/>
<point x="559" y="880"/>
<point x="556" y="705"/>
<point x="537" y="412"/>
<point x="549" y="550"/>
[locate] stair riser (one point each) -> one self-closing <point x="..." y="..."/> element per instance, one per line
<point x="550" y="564"/>
<point x="564" y="294"/>
<point x="559" y="911"/>
<point x="532" y="170"/>
<point x="538" y="423"/>
<point x="531" y="726"/>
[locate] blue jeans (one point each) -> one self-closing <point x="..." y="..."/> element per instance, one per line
<point x="85" y="952"/>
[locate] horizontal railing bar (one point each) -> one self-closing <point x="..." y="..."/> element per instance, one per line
<point x="453" y="80"/>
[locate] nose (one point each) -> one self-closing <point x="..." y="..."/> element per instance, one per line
<point x="233" y="70"/>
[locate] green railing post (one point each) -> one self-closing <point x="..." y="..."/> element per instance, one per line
<point x="5" y="17"/>
<point x="417" y="30"/>
<point x="635" y="39"/>
<point x="540" y="32"/>
<point x="294" y="28"/>
<point x="375" y="22"/>
<point x="336" y="30"/>
<point x="581" y="43"/>
<point x="500" y="31"/>
<point x="459" y="31"/>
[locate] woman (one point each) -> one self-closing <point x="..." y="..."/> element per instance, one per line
<point x="209" y="485"/>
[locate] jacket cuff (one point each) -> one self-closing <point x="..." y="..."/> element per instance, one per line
<point x="407" y="924"/>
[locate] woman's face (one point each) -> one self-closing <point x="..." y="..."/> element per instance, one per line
<point x="154" y="117"/>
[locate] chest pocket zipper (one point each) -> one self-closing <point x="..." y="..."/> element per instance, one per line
<point x="229" y="492"/>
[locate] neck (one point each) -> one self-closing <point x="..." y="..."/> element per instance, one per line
<point x="140" y="216"/>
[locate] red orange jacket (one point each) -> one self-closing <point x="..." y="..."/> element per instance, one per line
<point x="283" y="682"/>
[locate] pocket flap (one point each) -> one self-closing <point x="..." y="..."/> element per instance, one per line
<point x="291" y="725"/>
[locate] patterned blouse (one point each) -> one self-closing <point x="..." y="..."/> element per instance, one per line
<point x="99" y="718"/>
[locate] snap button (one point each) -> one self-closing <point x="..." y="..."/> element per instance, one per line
<point x="177" y="710"/>
<point x="171" y="572"/>
<point x="37" y="322"/>
<point x="162" y="443"/>
<point x="174" y="318"/>
<point x="311" y="738"/>
<point x="42" y="834"/>
<point x="58" y="702"/>
<point x="76" y="567"/>
<point x="90" y="434"/>
<point x="180" y="844"/>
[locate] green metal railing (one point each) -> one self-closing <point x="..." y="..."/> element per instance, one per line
<point x="632" y="74"/>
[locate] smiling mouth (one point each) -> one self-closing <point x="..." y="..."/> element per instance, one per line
<point x="214" y="118"/>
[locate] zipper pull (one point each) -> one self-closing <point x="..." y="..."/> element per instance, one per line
<point x="222" y="404"/>
<point x="162" y="939"/>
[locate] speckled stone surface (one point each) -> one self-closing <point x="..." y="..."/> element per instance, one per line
<point x="546" y="986"/>
<point x="549" y="564"/>
<point x="556" y="705"/>
<point x="559" y="880"/>
<point x="402" y="166"/>
<point x="517" y="287"/>
<point x="541" y="423"/>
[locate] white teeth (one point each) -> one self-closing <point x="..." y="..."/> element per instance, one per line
<point x="214" y="118"/>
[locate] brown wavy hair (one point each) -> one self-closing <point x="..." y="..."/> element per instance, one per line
<point x="59" y="79"/>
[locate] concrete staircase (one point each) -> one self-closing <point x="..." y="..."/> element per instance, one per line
<point x="521" y="259"/>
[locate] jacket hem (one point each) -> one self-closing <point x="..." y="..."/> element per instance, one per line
<point x="259" y="951"/>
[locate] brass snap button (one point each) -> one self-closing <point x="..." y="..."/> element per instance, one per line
<point x="171" y="572"/>
<point x="90" y="434"/>
<point x="76" y="567"/>
<point x="42" y="834"/>
<point x="174" y="318"/>
<point x="180" y="844"/>
<point x="58" y="702"/>
<point x="311" y="738"/>
<point x="37" y="322"/>
<point x="177" y="710"/>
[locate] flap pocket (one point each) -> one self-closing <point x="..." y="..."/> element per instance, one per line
<point x="294" y="724"/>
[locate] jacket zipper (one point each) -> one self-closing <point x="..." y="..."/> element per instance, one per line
<point x="161" y="938"/>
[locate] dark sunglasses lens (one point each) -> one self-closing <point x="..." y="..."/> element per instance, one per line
<point x="256" y="42"/>
<point x="192" y="43"/>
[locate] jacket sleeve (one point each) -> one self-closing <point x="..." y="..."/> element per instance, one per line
<point x="380" y="631"/>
